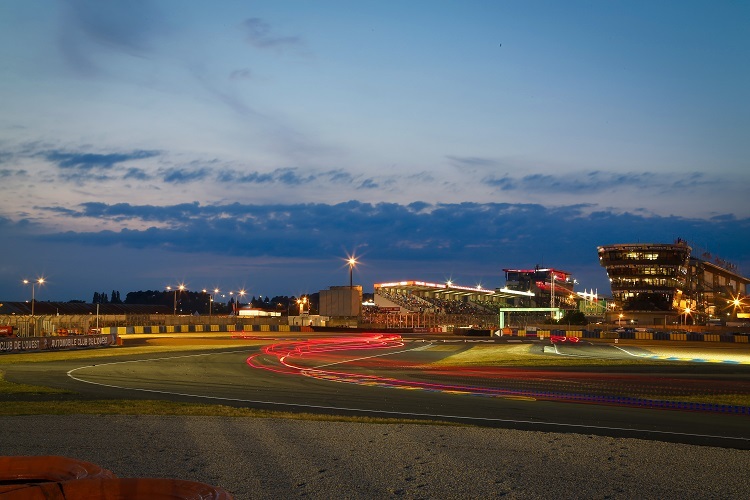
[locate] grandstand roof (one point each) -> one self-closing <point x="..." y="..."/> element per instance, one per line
<point x="78" y="308"/>
<point x="450" y="289"/>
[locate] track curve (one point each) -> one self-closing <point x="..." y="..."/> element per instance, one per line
<point x="388" y="376"/>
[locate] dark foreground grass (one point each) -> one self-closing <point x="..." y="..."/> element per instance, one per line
<point x="73" y="406"/>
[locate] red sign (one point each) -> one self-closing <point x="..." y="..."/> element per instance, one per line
<point x="389" y="309"/>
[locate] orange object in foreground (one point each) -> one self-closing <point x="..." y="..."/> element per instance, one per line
<point x="49" y="468"/>
<point x="54" y="477"/>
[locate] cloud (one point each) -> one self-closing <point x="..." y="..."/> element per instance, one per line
<point x="88" y="27"/>
<point x="592" y="181"/>
<point x="180" y="176"/>
<point x="290" y="176"/>
<point x="136" y="174"/>
<point x="8" y="173"/>
<point x="368" y="184"/>
<point x="468" y="242"/>
<point x="258" y="34"/>
<point x="87" y="168"/>
<point x="5" y="157"/>
<point x="94" y="161"/>
<point x="125" y="175"/>
<point x="491" y="232"/>
<point x="472" y="161"/>
<point x="242" y="74"/>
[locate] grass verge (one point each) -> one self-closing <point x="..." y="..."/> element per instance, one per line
<point x="169" y="408"/>
<point x="11" y="388"/>
<point x="521" y="355"/>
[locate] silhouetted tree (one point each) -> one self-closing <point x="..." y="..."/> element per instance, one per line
<point x="573" y="318"/>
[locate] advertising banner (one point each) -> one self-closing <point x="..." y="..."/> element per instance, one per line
<point x="28" y="344"/>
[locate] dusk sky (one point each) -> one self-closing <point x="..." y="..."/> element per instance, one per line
<point x="256" y="144"/>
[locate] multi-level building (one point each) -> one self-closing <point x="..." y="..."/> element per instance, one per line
<point x="660" y="283"/>
<point x="717" y="289"/>
<point x="550" y="287"/>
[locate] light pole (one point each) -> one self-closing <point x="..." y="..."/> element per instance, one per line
<point x="180" y="288"/>
<point x="687" y="313"/>
<point x="552" y="294"/>
<point x="236" y="302"/>
<point x="211" y="301"/>
<point x="352" y="262"/>
<point x="40" y="282"/>
<point x="302" y="301"/>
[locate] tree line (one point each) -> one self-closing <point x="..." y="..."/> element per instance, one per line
<point x="194" y="302"/>
<point x="103" y="298"/>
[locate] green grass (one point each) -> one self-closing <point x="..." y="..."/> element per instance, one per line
<point x="109" y="352"/>
<point x="11" y="388"/>
<point x="521" y="355"/>
<point x="34" y="400"/>
<point x="169" y="408"/>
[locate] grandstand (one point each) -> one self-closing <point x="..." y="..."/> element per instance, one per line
<point x="421" y="304"/>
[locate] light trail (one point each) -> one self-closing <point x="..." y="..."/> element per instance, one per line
<point x="547" y="424"/>
<point x="541" y="425"/>
<point x="541" y="384"/>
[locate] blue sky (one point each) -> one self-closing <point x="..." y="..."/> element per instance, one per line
<point x="256" y="144"/>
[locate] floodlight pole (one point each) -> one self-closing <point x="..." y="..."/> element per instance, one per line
<point x="352" y="262"/>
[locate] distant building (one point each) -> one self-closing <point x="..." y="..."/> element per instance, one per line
<point x="342" y="304"/>
<point x="550" y="287"/>
<point x="661" y="283"/>
<point x="714" y="284"/>
<point x="257" y="313"/>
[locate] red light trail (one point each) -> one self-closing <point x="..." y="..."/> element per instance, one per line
<point x="311" y="358"/>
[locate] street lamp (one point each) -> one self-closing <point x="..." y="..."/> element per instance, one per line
<point x="211" y="300"/>
<point x="352" y="262"/>
<point x="40" y="282"/>
<point x="736" y="304"/>
<point x="180" y="288"/>
<point x="302" y="301"/>
<point x="236" y="303"/>
<point x="687" y="313"/>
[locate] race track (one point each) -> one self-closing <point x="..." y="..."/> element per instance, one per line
<point x="395" y="377"/>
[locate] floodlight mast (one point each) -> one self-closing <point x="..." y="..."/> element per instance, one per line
<point x="179" y="288"/>
<point x="352" y="263"/>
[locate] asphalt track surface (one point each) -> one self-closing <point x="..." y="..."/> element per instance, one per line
<point x="391" y="379"/>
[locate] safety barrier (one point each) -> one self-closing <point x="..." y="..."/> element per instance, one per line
<point x="630" y="335"/>
<point x="161" y="329"/>
<point x="126" y="330"/>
